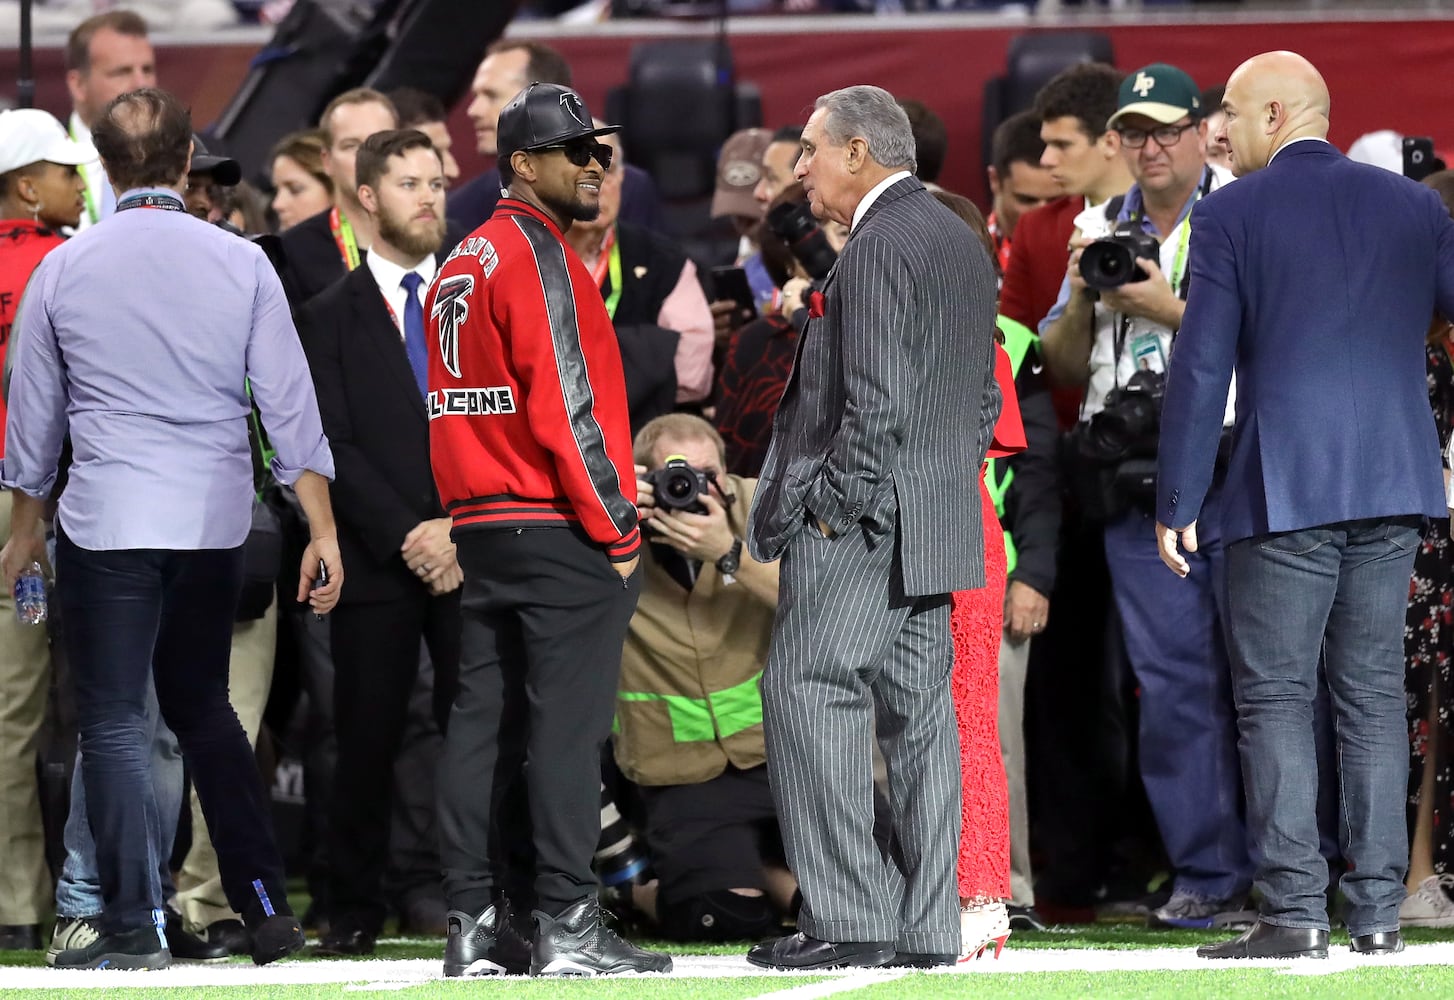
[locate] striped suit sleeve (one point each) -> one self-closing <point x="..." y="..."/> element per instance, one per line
<point x="879" y="376"/>
<point x="565" y="409"/>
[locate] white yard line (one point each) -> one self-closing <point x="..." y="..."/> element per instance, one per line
<point x="402" y="974"/>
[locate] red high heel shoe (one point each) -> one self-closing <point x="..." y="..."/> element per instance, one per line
<point x="982" y="926"/>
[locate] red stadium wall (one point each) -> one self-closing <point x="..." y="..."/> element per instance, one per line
<point x="1382" y="74"/>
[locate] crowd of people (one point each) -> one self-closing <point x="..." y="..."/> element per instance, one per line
<point x="622" y="590"/>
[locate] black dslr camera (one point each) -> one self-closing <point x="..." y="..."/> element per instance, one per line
<point x="1111" y="262"/>
<point x="793" y="223"/>
<point x="1129" y="422"/>
<point x="1112" y="456"/>
<point x="679" y="485"/>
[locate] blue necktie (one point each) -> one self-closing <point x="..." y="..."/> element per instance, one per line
<point x="414" y="331"/>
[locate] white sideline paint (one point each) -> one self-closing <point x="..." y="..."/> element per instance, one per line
<point x="403" y="974"/>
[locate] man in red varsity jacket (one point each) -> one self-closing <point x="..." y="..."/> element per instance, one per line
<point x="532" y="456"/>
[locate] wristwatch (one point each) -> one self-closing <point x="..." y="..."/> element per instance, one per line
<point x="732" y="561"/>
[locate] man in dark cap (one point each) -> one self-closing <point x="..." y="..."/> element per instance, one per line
<point x="206" y="179"/>
<point x="529" y="430"/>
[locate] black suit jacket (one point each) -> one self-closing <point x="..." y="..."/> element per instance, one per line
<point x="376" y="424"/>
<point x="311" y="261"/>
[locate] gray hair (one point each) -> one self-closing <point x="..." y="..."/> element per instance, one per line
<point x="872" y="114"/>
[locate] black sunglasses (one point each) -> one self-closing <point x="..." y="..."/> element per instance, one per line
<point x="581" y="151"/>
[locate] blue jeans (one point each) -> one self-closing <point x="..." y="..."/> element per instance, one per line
<point x="78" y="891"/>
<point x="145" y="620"/>
<point x="1341" y="590"/>
<point x="1188" y="737"/>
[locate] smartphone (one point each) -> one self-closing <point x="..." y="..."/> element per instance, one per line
<point x="730" y="283"/>
<point x="1419" y="161"/>
<point x="320" y="581"/>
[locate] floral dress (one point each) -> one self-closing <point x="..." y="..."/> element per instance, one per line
<point x="1429" y="639"/>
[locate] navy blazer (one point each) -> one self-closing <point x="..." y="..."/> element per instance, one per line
<point x="1315" y="278"/>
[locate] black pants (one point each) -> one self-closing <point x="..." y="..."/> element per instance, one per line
<point x="376" y="663"/>
<point x="544" y="618"/>
<point x="168" y="613"/>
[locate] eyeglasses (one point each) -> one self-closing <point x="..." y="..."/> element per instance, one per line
<point x="581" y="152"/>
<point x="1165" y="135"/>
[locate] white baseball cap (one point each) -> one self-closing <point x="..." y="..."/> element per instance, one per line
<point x="28" y="135"/>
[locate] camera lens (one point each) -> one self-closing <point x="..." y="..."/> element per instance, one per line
<point x="679" y="487"/>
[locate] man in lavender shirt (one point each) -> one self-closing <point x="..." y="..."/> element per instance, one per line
<point x="139" y="339"/>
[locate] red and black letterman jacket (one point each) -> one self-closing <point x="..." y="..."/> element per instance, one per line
<point x="527" y="402"/>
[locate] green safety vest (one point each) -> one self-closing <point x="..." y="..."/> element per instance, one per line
<point x="998" y="475"/>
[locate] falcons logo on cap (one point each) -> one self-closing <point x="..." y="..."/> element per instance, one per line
<point x="574" y="108"/>
<point x="451" y="309"/>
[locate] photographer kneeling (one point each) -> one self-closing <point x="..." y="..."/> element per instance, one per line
<point x="1114" y="328"/>
<point x="689" y="714"/>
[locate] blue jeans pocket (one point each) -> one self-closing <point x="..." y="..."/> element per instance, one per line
<point x="1295" y="543"/>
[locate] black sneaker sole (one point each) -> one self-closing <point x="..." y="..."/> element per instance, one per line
<point x="565" y="968"/>
<point x="151" y="961"/>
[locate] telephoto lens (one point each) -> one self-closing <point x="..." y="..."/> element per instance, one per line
<point x="620" y="857"/>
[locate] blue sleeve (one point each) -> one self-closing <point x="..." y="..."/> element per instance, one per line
<point x="36" y="425"/>
<point x="1199" y="374"/>
<point x="1058" y="310"/>
<point x="281" y="385"/>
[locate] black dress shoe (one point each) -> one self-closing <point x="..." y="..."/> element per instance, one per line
<point x="230" y="934"/>
<point x="922" y="960"/>
<point x="799" y="951"/>
<point x="1381" y="943"/>
<point x="1266" y="940"/>
<point x="345" y="938"/>
<point x="187" y="947"/>
<point x="20" y="937"/>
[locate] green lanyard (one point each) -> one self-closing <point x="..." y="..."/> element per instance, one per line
<point x="613" y="268"/>
<point x="91" y="212"/>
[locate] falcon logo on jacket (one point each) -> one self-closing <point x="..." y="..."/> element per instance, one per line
<point x="451" y="309"/>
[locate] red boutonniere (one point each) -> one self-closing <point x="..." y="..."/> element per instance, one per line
<point x="815" y="305"/>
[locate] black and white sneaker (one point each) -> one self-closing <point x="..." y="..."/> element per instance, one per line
<point x="70" y="934"/>
<point x="487" y="944"/>
<point x="142" y="948"/>
<point x="577" y="943"/>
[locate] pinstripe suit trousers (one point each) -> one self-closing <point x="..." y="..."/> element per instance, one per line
<point x="848" y="645"/>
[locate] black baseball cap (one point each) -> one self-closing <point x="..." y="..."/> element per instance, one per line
<point x="224" y="170"/>
<point x="544" y="114"/>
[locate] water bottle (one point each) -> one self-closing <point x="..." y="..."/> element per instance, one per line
<point x="30" y="604"/>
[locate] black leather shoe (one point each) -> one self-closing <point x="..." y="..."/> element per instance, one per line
<point x="20" y="937"/>
<point x="922" y="960"/>
<point x="1024" y="918"/>
<point x="799" y="951"/>
<point x="486" y="944"/>
<point x="346" y="938"/>
<point x="187" y="947"/>
<point x="1266" y="940"/>
<point x="576" y="943"/>
<point x="1381" y="943"/>
<point x="229" y="934"/>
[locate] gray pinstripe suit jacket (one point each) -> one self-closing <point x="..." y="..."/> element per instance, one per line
<point x="892" y="401"/>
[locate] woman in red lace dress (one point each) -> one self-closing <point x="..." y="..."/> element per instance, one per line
<point x="976" y="620"/>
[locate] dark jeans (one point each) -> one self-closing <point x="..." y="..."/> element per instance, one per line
<point x="1341" y="590"/>
<point x="544" y="618"/>
<point x="169" y="613"/>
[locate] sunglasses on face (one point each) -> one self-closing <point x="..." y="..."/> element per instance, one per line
<point x="581" y="152"/>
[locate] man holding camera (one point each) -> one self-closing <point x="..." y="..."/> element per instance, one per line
<point x="1115" y="325"/>
<point x="689" y="713"/>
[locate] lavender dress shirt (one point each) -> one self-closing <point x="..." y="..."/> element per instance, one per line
<point x="138" y="337"/>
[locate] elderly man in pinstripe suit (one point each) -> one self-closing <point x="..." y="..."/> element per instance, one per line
<point x="868" y="495"/>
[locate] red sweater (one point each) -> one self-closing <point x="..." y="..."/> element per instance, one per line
<point x="22" y="244"/>
<point x="527" y="401"/>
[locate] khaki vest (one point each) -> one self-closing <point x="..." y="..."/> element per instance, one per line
<point x="688" y="703"/>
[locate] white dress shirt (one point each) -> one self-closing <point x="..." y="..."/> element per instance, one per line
<point x="873" y="194"/>
<point x="1303" y="138"/>
<point x="390" y="279"/>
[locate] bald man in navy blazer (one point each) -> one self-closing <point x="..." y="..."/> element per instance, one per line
<point x="1315" y="279"/>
